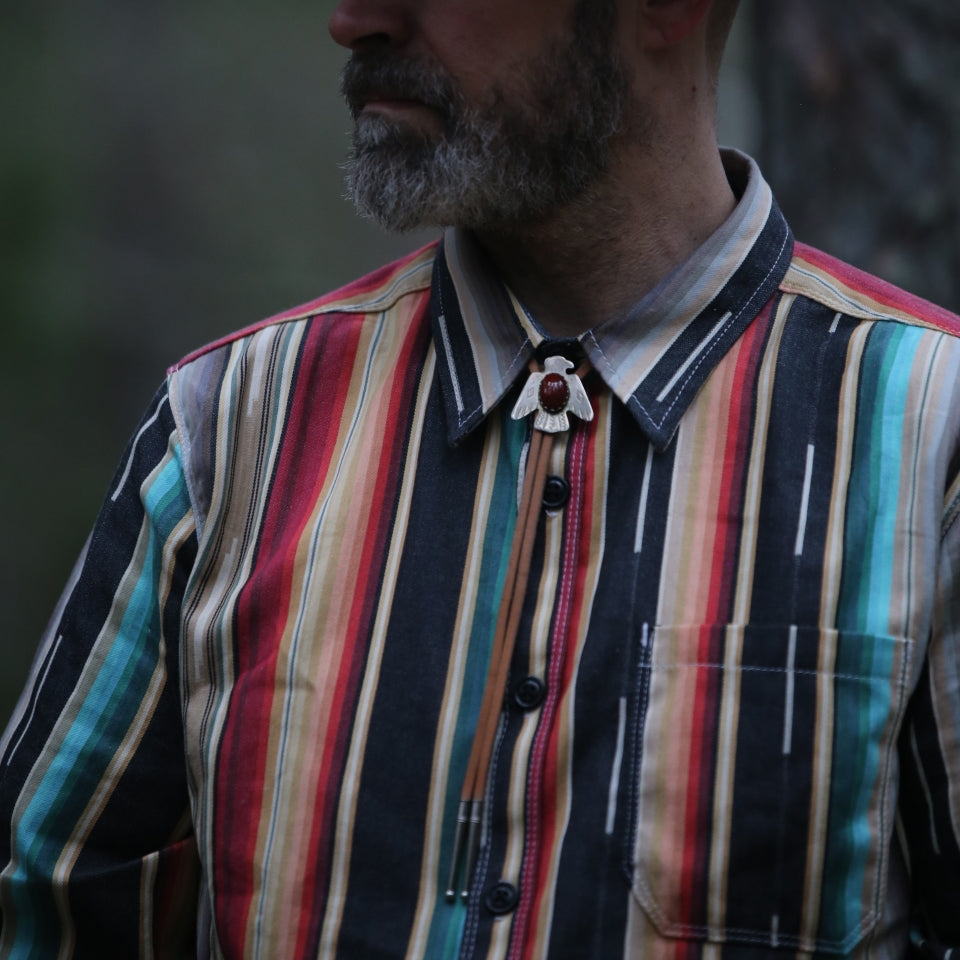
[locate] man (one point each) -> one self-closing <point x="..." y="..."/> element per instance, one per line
<point x="583" y="586"/>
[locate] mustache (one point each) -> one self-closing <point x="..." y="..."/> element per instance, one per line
<point x="368" y="76"/>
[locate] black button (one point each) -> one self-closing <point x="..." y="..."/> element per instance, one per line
<point x="529" y="693"/>
<point x="556" y="492"/>
<point x="501" y="898"/>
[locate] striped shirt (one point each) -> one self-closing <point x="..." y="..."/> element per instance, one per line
<point x="732" y="719"/>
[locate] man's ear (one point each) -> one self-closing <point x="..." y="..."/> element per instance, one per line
<point x="669" y="21"/>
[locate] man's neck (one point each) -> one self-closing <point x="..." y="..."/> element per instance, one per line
<point x="597" y="257"/>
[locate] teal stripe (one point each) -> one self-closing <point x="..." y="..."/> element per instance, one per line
<point x="873" y="497"/>
<point x="446" y="928"/>
<point x="103" y="719"/>
<point x="867" y="659"/>
<point x="863" y="687"/>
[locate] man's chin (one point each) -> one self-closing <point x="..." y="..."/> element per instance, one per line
<point x="393" y="130"/>
<point x="388" y="187"/>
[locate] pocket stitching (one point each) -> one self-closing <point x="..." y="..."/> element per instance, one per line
<point x="637" y="880"/>
<point x="800" y="673"/>
<point x="633" y="824"/>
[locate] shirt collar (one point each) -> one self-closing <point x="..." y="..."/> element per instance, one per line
<point x="655" y="357"/>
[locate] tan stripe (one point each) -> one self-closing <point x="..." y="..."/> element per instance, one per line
<point x="730" y="696"/>
<point x="546" y="593"/>
<point x="655" y="826"/>
<point x="711" y="951"/>
<point x="757" y="458"/>
<point x="805" y="279"/>
<point x="819" y="787"/>
<point x="933" y="375"/>
<point x="309" y="672"/>
<point x="843" y="465"/>
<point x="321" y="579"/>
<point x="223" y="565"/>
<point x="148" y="878"/>
<point x="642" y="941"/>
<point x="351" y="781"/>
<point x="723" y="787"/>
<point x="414" y="278"/>
<point x="685" y="581"/>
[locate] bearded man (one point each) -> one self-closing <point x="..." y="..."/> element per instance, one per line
<point x="586" y="584"/>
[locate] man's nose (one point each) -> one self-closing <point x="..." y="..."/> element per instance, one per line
<point x="358" y="24"/>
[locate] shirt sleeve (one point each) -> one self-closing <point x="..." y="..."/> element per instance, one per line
<point x="930" y="762"/>
<point x="97" y="855"/>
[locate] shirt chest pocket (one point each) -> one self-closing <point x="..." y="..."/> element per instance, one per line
<point x="762" y="782"/>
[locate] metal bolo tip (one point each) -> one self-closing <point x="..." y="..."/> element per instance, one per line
<point x="473" y="845"/>
<point x="458" y="837"/>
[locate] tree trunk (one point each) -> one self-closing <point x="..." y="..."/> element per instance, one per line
<point x="860" y="132"/>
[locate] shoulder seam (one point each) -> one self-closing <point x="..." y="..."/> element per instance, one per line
<point x="856" y="293"/>
<point x="375" y="292"/>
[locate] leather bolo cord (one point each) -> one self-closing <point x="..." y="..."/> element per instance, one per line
<point x="470" y="813"/>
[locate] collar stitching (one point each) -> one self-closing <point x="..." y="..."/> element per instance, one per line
<point x="464" y="417"/>
<point x="461" y="419"/>
<point x="517" y="362"/>
<point x="633" y="400"/>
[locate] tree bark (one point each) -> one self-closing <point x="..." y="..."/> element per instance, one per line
<point x="860" y="132"/>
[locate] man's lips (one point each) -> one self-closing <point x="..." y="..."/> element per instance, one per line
<point x="402" y="108"/>
<point x="396" y="101"/>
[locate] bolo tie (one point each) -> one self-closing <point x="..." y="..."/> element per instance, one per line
<point x="552" y="394"/>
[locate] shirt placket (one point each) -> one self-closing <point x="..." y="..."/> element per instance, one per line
<point x="516" y="846"/>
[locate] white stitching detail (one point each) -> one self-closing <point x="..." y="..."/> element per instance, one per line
<point x="632" y="400"/>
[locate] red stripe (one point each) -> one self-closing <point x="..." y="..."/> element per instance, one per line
<point x="316" y="407"/>
<point x="175" y="899"/>
<point x="701" y="764"/>
<point x="399" y="397"/>
<point x="541" y="813"/>
<point x="878" y="290"/>
<point x="736" y="451"/>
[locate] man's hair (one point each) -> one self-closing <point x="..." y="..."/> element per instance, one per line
<point x="718" y="29"/>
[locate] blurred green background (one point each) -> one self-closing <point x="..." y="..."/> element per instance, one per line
<point x="169" y="172"/>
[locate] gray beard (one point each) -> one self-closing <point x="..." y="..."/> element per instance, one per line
<point x="512" y="160"/>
